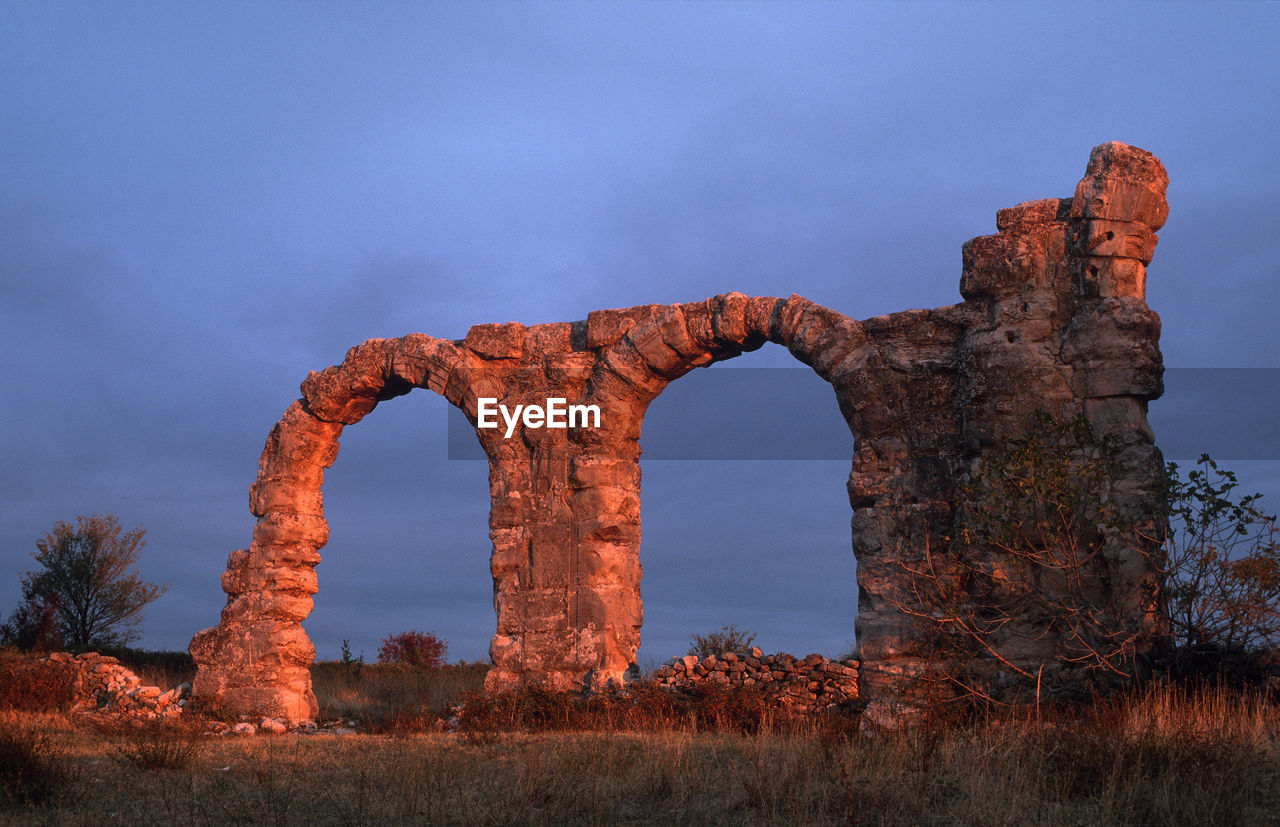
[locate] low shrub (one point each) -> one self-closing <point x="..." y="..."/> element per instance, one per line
<point x="729" y="638"/>
<point x="32" y="768"/>
<point x="31" y="686"/>
<point x="157" y="744"/>
<point x="414" y="649"/>
<point x="641" y="707"/>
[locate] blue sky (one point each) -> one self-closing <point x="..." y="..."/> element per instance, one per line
<point x="199" y="203"/>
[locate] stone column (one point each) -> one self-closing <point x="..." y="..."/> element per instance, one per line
<point x="257" y="659"/>
<point x="1061" y="327"/>
<point x="553" y="494"/>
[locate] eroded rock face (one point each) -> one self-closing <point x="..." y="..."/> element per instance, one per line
<point x="1053" y="318"/>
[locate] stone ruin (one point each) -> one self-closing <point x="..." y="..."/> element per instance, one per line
<point x="101" y="682"/>
<point x="1053" y="319"/>
<point x="807" y="684"/>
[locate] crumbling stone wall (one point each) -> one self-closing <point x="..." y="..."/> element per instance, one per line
<point x="102" y="682"/>
<point x="808" y="684"/>
<point x="1053" y="319"/>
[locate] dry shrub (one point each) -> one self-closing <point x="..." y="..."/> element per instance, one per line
<point x="399" y="721"/>
<point x="210" y="710"/>
<point x="30" y="686"/>
<point x="527" y="709"/>
<point x="1156" y="757"/>
<point x="729" y="638"/>
<point x="642" y="707"/>
<point x="32" y="768"/>
<point x="712" y="708"/>
<point x="386" y="698"/>
<point x="155" y="743"/>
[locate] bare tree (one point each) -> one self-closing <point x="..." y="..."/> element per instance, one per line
<point x="1042" y="561"/>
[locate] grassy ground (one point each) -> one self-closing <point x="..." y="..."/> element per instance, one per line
<point x="1155" y="758"/>
<point x="380" y="697"/>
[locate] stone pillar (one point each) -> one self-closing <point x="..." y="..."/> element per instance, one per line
<point x="257" y="659"/>
<point x="1060" y="326"/>
<point x="899" y="402"/>
<point x="1113" y="341"/>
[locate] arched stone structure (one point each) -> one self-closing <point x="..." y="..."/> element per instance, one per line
<point x="1053" y="318"/>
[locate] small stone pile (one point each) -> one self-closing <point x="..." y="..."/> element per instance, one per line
<point x="800" y="684"/>
<point x="101" y="683"/>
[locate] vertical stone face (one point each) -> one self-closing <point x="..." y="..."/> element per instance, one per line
<point x="1061" y="326"/>
<point x="1052" y="319"/>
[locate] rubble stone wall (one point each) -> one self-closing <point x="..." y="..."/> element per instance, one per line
<point x="1053" y="318"/>
<point x="102" y="682"/>
<point x="807" y="684"/>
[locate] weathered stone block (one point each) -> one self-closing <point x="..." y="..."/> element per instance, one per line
<point x="1029" y="213"/>
<point x="281" y="528"/>
<point x="300" y="447"/>
<point x="535" y="610"/>
<point x="496" y="341"/>
<point x="348" y="392"/>
<point x="589" y="502"/>
<point x="607" y="327"/>
<point x="728" y="317"/>
<point x="1123" y="183"/>
<point x="759" y="315"/>
<point x="649" y="343"/>
<point x="590" y="471"/>
<point x="626" y="362"/>
<point x="1117" y="239"/>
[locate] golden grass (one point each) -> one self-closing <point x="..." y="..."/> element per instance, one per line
<point x="385" y="697"/>
<point x="27" y="685"/>
<point x="1157" y="757"/>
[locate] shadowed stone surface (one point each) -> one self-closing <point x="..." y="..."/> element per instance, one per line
<point x="1053" y="319"/>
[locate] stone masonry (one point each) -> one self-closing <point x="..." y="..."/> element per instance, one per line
<point x="101" y="682"/>
<point x="808" y="684"/>
<point x="1053" y="319"/>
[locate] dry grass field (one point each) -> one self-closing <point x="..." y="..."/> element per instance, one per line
<point x="1156" y="757"/>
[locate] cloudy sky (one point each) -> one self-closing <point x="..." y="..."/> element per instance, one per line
<point x="199" y="203"/>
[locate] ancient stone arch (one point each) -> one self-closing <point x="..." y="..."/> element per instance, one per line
<point x="1053" y="318"/>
